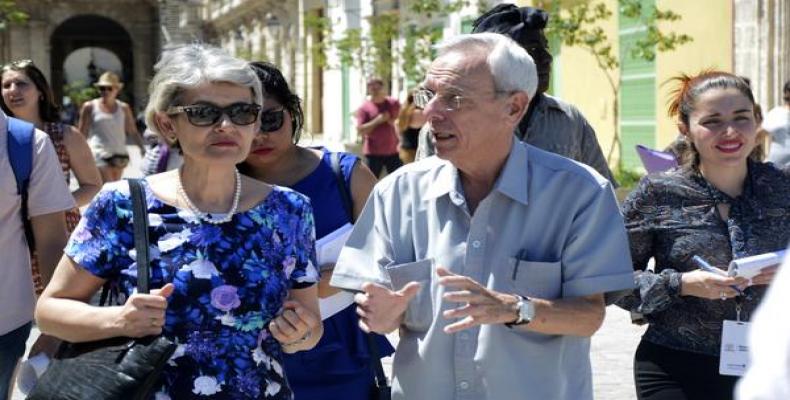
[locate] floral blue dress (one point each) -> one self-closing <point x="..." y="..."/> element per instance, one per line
<point x="231" y="281"/>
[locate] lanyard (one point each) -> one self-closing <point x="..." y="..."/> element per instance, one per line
<point x="738" y="307"/>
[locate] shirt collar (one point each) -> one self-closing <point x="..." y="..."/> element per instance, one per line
<point x="3" y="120"/>
<point x="512" y="181"/>
<point x="447" y="182"/>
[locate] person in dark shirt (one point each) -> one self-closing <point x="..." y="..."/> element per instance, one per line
<point x="722" y="203"/>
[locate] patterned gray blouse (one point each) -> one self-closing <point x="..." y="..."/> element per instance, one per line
<point x="672" y="217"/>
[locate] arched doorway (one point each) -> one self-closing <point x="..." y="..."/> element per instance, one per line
<point x="92" y="31"/>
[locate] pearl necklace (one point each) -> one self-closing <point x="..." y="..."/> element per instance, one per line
<point x="208" y="217"/>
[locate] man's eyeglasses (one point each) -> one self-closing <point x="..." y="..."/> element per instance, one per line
<point x="272" y="120"/>
<point x="209" y="114"/>
<point x="445" y="102"/>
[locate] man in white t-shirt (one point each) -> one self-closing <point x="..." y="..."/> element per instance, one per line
<point x="777" y="123"/>
<point x="48" y="198"/>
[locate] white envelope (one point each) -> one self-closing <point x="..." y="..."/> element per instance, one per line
<point x="328" y="247"/>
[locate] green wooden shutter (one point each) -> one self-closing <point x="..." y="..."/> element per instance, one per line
<point x="466" y="25"/>
<point x="637" y="92"/>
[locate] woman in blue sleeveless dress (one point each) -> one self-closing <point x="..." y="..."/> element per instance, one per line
<point x="339" y="367"/>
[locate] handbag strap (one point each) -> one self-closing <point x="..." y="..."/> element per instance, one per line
<point x="345" y="196"/>
<point x="140" y="224"/>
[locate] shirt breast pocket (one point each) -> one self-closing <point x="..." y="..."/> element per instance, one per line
<point x="419" y="314"/>
<point x="542" y="280"/>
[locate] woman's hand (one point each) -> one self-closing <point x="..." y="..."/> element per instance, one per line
<point x="766" y="275"/>
<point x="708" y="285"/>
<point x="294" y="327"/>
<point x="143" y="314"/>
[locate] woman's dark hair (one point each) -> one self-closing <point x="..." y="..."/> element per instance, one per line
<point x="47" y="109"/>
<point x="786" y="92"/>
<point x="275" y="86"/>
<point x="683" y="102"/>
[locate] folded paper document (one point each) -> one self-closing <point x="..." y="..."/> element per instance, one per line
<point x="748" y="267"/>
<point x="335" y="303"/>
<point x="328" y="247"/>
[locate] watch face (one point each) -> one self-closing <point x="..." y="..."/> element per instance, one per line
<point x="526" y="311"/>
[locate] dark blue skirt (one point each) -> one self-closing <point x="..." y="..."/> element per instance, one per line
<point x="338" y="367"/>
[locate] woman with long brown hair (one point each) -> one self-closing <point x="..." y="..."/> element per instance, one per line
<point x="410" y="121"/>
<point x="26" y="94"/>
<point x="722" y="203"/>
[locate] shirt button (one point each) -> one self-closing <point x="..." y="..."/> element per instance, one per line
<point x="463" y="385"/>
<point x="476" y="244"/>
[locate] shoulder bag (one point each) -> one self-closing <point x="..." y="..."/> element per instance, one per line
<point x="116" y="368"/>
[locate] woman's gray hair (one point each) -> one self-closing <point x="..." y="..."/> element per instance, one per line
<point x="511" y="66"/>
<point x="189" y="66"/>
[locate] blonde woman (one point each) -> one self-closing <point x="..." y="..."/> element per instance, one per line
<point x="106" y="121"/>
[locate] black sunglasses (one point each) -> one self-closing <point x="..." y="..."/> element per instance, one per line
<point x="272" y="120"/>
<point x="209" y="114"/>
<point x="104" y="88"/>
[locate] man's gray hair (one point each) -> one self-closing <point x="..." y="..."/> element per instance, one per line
<point x="511" y="66"/>
<point x="189" y="66"/>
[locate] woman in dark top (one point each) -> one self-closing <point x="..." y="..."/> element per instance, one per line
<point x="410" y="120"/>
<point x="721" y="203"/>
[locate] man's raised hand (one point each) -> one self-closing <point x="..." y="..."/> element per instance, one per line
<point x="380" y="309"/>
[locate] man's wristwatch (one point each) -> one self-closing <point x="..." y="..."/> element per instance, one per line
<point x="525" y="311"/>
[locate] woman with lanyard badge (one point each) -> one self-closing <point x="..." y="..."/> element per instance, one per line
<point x="233" y="256"/>
<point x="722" y="203"/>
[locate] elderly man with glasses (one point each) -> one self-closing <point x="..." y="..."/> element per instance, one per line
<point x="550" y="123"/>
<point x="496" y="279"/>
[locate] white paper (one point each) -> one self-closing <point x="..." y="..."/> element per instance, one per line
<point x="328" y="247"/>
<point x="749" y="267"/>
<point x="734" y="348"/>
<point x="335" y="303"/>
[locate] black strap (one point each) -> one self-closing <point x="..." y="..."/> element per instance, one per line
<point x="375" y="362"/>
<point x="348" y="204"/>
<point x="140" y="224"/>
<point x="345" y="196"/>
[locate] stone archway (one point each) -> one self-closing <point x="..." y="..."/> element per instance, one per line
<point x="92" y="31"/>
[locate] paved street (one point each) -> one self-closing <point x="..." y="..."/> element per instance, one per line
<point x="612" y="347"/>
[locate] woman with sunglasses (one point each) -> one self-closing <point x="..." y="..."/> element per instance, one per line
<point x="26" y="94"/>
<point x="233" y="256"/>
<point x="339" y="367"/>
<point x="106" y="121"/>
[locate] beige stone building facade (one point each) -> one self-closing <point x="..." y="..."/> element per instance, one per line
<point x="762" y="47"/>
<point x="129" y="29"/>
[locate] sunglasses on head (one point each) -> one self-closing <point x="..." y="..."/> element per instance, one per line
<point x="19" y="63"/>
<point x="272" y="120"/>
<point x="209" y="114"/>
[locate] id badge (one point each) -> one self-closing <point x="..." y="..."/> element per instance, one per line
<point x="734" y="348"/>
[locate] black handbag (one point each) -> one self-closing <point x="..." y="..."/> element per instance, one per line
<point x="117" y="368"/>
<point x="382" y="389"/>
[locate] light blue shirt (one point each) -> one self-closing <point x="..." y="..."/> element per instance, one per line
<point x="552" y="232"/>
